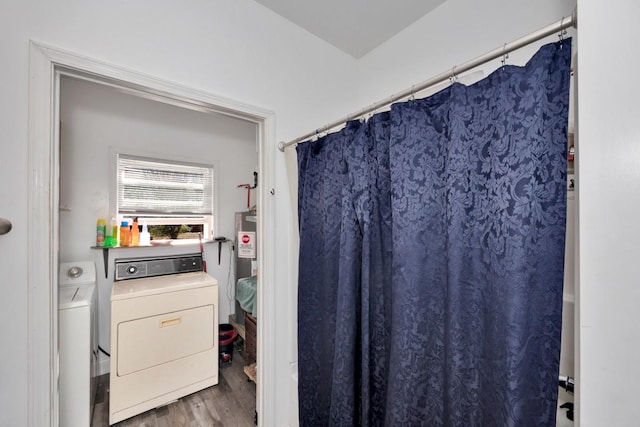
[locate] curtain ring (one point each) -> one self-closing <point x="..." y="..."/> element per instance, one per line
<point x="363" y="116"/>
<point x="562" y="32"/>
<point x="413" y="93"/>
<point x="505" y="55"/>
<point x="453" y="77"/>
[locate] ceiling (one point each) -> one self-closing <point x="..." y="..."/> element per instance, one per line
<point x="353" y="26"/>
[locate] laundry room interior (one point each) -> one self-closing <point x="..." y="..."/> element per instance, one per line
<point x="99" y="125"/>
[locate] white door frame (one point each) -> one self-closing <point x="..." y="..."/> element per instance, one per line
<point x="45" y="66"/>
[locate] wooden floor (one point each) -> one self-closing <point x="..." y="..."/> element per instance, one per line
<point x="231" y="403"/>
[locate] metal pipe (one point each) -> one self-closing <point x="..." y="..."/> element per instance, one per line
<point x="458" y="69"/>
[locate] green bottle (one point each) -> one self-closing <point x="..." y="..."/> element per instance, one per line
<point x="112" y="234"/>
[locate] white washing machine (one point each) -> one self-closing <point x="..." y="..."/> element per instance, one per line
<point x="77" y="342"/>
<point x="164" y="333"/>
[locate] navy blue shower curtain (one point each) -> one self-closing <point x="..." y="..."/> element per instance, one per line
<point x="431" y="257"/>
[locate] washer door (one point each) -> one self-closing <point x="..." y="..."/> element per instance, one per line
<point x="151" y="341"/>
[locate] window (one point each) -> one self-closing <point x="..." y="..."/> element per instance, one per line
<point x="174" y="199"/>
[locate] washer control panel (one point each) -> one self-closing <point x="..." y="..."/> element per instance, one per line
<point x="77" y="273"/>
<point x="137" y="268"/>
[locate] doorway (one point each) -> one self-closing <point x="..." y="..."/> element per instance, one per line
<point x="47" y="66"/>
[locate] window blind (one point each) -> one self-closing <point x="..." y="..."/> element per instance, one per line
<point x="159" y="187"/>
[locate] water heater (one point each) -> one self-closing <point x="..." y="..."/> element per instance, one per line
<point x="246" y="251"/>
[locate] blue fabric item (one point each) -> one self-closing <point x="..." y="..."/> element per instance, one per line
<point x="247" y="294"/>
<point x="431" y="257"/>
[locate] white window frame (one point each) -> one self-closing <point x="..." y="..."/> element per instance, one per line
<point x="208" y="221"/>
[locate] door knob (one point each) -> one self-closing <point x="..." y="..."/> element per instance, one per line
<point x="5" y="226"/>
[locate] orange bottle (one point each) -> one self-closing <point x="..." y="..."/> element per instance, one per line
<point x="125" y="235"/>
<point x="135" y="233"/>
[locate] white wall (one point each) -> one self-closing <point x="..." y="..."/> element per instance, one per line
<point x="609" y="201"/>
<point x="97" y="122"/>
<point x="237" y="49"/>
<point x="455" y="32"/>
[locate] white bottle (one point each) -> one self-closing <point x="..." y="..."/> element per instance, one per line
<point x="145" y="237"/>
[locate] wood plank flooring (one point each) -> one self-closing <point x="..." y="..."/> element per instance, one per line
<point x="231" y="403"/>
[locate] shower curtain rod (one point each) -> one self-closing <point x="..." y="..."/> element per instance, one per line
<point x="559" y="26"/>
